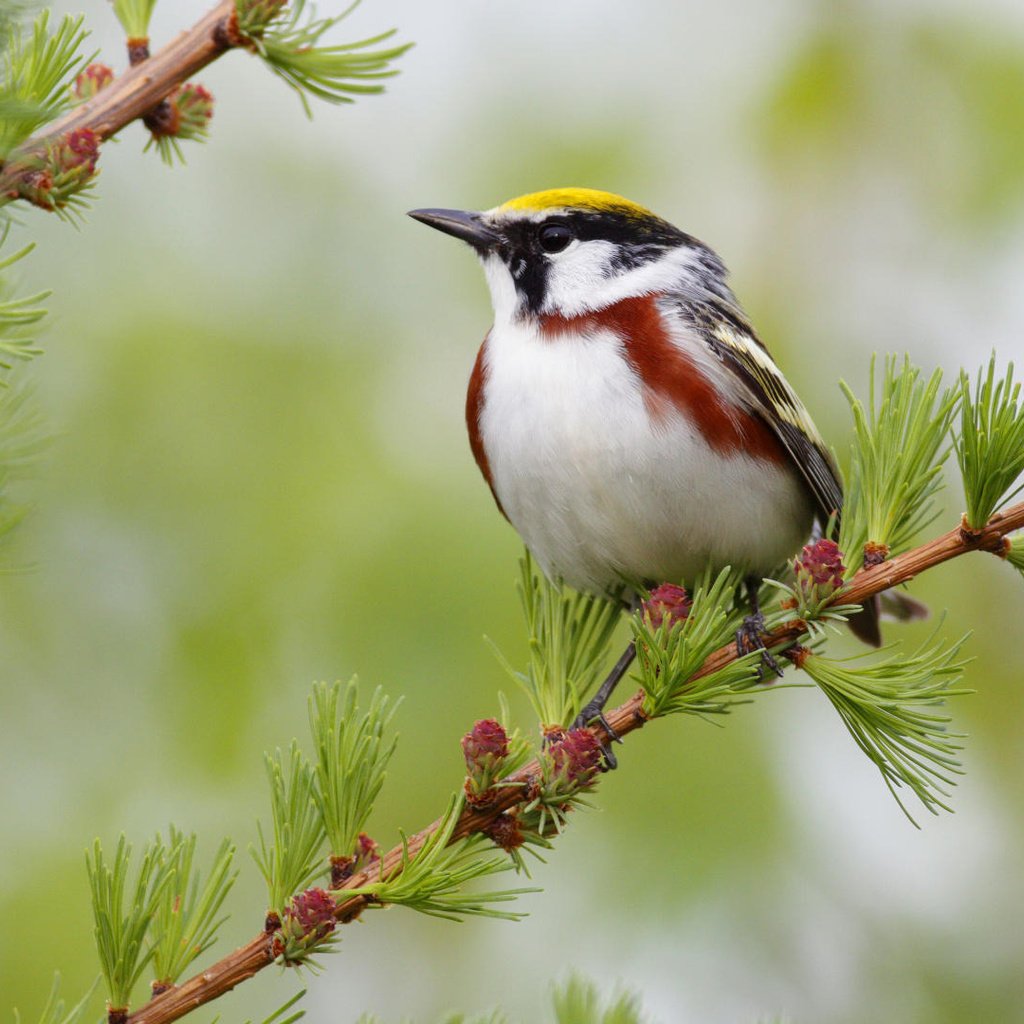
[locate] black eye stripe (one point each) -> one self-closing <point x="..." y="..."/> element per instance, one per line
<point x="635" y="241"/>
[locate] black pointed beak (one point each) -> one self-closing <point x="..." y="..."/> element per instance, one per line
<point x="463" y="224"/>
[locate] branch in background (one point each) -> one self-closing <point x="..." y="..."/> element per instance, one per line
<point x="518" y="789"/>
<point x="154" y="88"/>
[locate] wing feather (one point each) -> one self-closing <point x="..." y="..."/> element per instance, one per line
<point x="731" y="338"/>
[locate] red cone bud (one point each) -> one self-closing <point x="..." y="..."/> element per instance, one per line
<point x="484" y="746"/>
<point x="667" y="603"/>
<point x="313" y="911"/>
<point x="577" y="755"/>
<point x="80" y="148"/>
<point x="367" y="847"/>
<point x="367" y="851"/>
<point x="820" y="566"/>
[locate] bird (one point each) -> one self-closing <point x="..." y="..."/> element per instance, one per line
<point x="630" y="423"/>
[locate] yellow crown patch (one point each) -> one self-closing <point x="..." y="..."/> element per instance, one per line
<point x="576" y="198"/>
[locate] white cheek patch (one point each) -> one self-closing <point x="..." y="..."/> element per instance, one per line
<point x="576" y="276"/>
<point x="581" y="280"/>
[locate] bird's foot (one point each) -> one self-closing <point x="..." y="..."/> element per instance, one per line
<point x="594" y="712"/>
<point x="750" y="637"/>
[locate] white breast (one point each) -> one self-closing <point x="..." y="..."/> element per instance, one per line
<point x="598" y="493"/>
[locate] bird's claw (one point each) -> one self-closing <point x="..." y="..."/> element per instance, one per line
<point x="750" y="637"/>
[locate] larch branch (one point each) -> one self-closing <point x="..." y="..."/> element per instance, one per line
<point x="627" y="717"/>
<point x="139" y="89"/>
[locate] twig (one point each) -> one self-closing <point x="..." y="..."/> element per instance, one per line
<point x="628" y="716"/>
<point x="139" y="89"/>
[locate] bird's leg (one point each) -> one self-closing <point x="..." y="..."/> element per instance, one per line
<point x="593" y="711"/>
<point x="749" y="637"/>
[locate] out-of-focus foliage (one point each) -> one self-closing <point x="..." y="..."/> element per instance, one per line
<point x="578" y="1001"/>
<point x="915" y="89"/>
<point x="56" y="1011"/>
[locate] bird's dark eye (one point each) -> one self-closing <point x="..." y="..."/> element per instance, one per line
<point x="554" y="237"/>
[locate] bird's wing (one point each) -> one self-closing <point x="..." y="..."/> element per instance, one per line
<point x="731" y="338"/>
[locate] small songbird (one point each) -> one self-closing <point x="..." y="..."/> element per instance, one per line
<point x="630" y="423"/>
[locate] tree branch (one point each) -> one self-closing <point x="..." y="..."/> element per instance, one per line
<point x="138" y="90"/>
<point x="516" y="788"/>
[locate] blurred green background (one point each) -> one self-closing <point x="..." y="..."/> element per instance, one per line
<point x="255" y="367"/>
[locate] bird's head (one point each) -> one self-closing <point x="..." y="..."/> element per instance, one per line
<point x="570" y="251"/>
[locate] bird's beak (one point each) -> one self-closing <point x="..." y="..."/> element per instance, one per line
<point x="468" y="226"/>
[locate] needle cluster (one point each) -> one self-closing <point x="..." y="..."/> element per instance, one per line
<point x="990" y="442"/>
<point x="188" y="914"/>
<point x="124" y="910"/>
<point x="569" y="636"/>
<point x="55" y="1009"/>
<point x="1015" y="553"/>
<point x="352" y="754"/>
<point x="291" y="43"/>
<point x="134" y="16"/>
<point x="162" y="912"/>
<point x="669" y="655"/>
<point x="901" y="442"/>
<point x="434" y="879"/>
<point x="290" y="858"/>
<point x="36" y="70"/>
<point x="892" y="705"/>
<point x="22" y="434"/>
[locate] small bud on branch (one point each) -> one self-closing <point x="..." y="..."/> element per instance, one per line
<point x="667" y="602"/>
<point x="575" y="758"/>
<point x="485" y="750"/>
<point x="90" y="81"/>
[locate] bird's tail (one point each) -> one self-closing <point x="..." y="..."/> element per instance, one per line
<point x="894" y="605"/>
<point x="864" y="623"/>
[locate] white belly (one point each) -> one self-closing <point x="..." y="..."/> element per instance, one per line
<point x="599" y="495"/>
